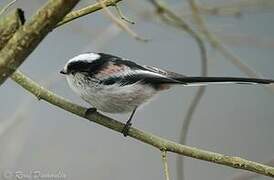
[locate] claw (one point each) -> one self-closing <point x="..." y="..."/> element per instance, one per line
<point x="126" y="129"/>
<point x="90" y="111"/>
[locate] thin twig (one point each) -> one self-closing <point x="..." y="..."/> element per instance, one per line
<point x="236" y="8"/>
<point x="122" y="16"/>
<point x="85" y="11"/>
<point x="165" y="163"/>
<point x="120" y="23"/>
<point x="6" y="7"/>
<point x="179" y="22"/>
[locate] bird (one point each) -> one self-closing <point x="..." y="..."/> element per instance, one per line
<point x="113" y="84"/>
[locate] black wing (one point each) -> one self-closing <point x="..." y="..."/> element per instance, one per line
<point x="155" y="76"/>
<point x="143" y="74"/>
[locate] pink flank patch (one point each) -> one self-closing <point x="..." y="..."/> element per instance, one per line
<point x="113" y="69"/>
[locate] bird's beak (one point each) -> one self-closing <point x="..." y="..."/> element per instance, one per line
<point x="63" y="72"/>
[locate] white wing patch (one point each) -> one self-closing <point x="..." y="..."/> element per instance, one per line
<point x="156" y="70"/>
<point x="149" y="73"/>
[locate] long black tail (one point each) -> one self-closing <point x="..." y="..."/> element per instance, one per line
<point x="200" y="81"/>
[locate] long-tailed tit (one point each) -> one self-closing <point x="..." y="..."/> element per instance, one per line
<point x="115" y="85"/>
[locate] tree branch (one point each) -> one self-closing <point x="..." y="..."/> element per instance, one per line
<point x="249" y="175"/>
<point x="30" y="35"/>
<point x="85" y="11"/>
<point x="121" y="24"/>
<point x="9" y="25"/>
<point x="164" y="159"/>
<point x="158" y="142"/>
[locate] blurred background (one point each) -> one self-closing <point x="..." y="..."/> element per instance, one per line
<point x="230" y="119"/>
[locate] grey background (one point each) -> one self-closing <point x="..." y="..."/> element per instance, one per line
<point x="234" y="120"/>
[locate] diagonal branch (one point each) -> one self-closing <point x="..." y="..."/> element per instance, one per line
<point x="249" y="175"/>
<point x="30" y="35"/>
<point x="120" y="23"/>
<point x="158" y="142"/>
<point x="164" y="159"/>
<point x="85" y="11"/>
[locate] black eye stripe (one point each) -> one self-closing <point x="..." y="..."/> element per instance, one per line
<point x="85" y="66"/>
<point x="77" y="66"/>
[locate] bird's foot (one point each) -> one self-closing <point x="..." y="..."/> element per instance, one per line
<point x="126" y="129"/>
<point x="90" y="111"/>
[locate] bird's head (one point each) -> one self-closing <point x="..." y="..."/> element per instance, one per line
<point x="82" y="63"/>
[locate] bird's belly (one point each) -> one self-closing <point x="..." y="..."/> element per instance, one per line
<point x="118" y="99"/>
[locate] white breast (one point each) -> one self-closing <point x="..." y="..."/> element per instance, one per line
<point x="110" y="98"/>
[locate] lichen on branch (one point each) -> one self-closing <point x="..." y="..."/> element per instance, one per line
<point x="27" y="38"/>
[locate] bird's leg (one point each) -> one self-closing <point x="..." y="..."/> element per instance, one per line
<point x="128" y="124"/>
<point x="90" y="111"/>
